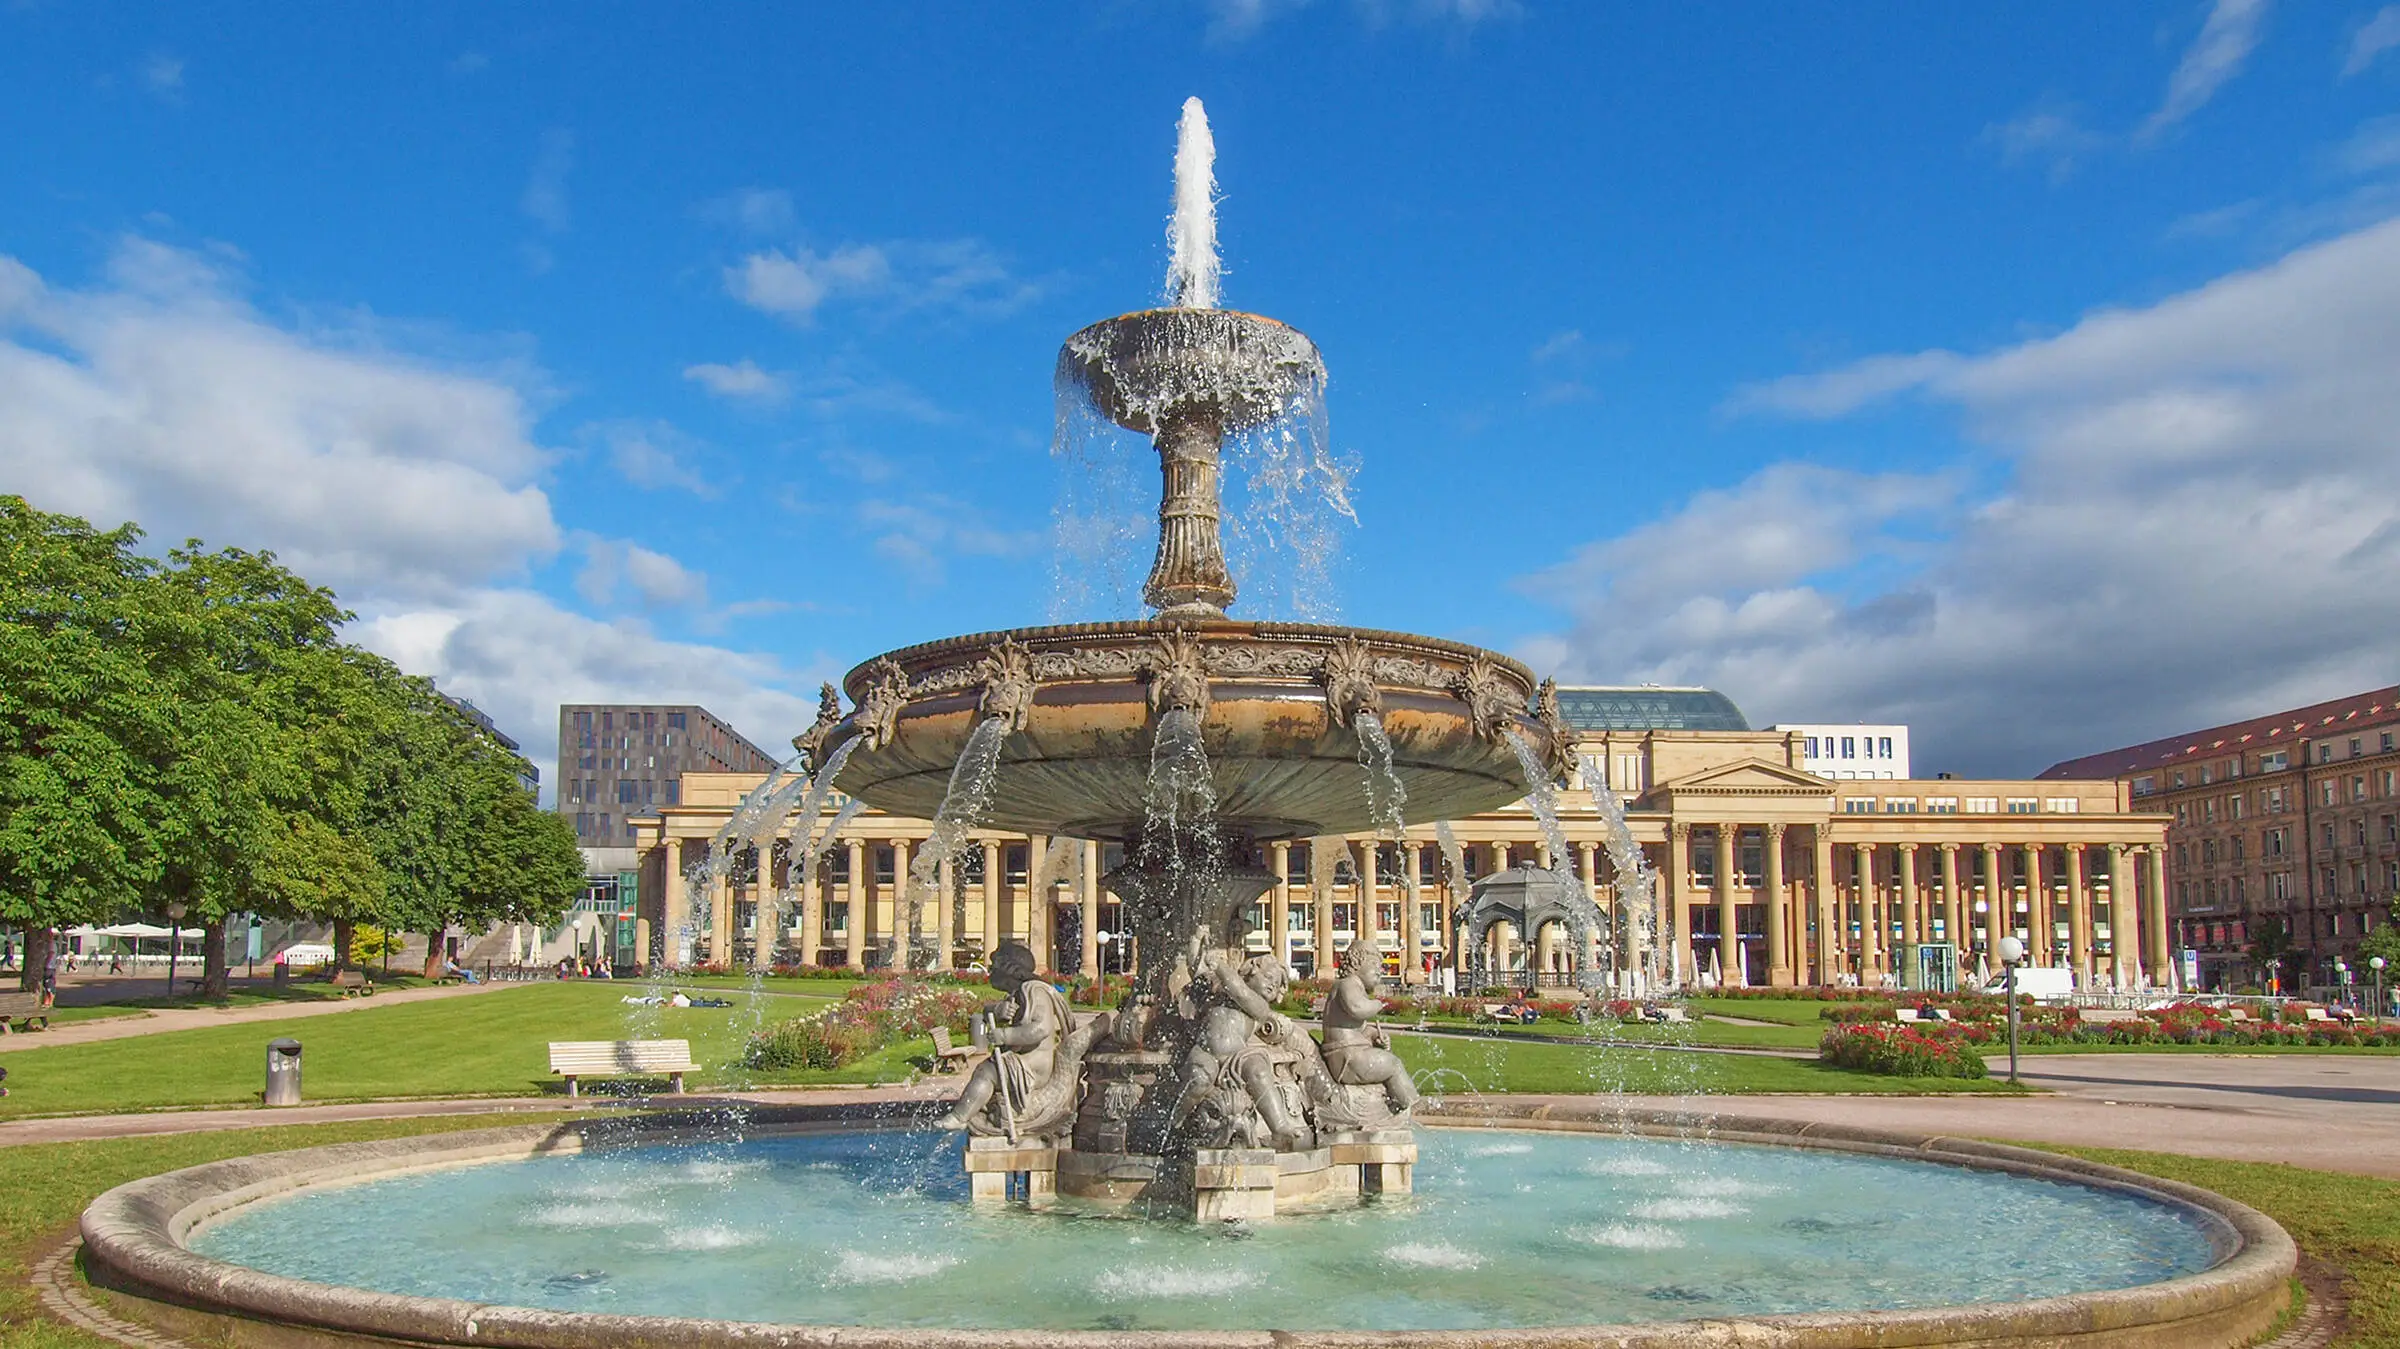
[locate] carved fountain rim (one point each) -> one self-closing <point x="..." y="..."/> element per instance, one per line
<point x="1120" y="633"/>
<point x="135" y="1236"/>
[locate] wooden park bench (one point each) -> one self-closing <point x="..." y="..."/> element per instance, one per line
<point x="23" y="1007"/>
<point x="947" y="1057"/>
<point x="352" y="984"/>
<point x="574" y="1059"/>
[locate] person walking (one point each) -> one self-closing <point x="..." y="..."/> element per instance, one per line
<point x="50" y="975"/>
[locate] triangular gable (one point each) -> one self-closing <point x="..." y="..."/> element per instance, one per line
<point x="1748" y="777"/>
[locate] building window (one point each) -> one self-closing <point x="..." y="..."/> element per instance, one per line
<point x="2279" y="885"/>
<point x="1858" y="805"/>
<point x="1941" y="805"/>
<point x="2358" y="746"/>
<point x="2023" y="805"/>
<point x="2387" y="742"/>
<point x="1810" y="748"/>
<point x="2325" y="752"/>
<point x="2325" y="792"/>
<point x="1899" y="805"/>
<point x="1984" y="805"/>
<point x="1849" y="747"/>
<point x="2062" y="805"/>
<point x="2274" y="761"/>
<point x="2358" y="787"/>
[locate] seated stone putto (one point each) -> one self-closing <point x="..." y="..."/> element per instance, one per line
<point x="1027" y="1086"/>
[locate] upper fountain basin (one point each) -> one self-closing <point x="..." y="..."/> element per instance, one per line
<point x="1142" y="369"/>
<point x="1276" y="701"/>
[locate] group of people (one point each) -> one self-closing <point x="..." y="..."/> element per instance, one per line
<point x="583" y="967"/>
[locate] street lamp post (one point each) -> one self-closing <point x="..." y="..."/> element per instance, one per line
<point x="175" y="912"/>
<point x="2341" y="977"/>
<point x="2012" y="954"/>
<point x="2375" y="964"/>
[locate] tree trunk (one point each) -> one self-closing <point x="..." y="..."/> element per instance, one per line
<point x="433" y="950"/>
<point x="38" y="941"/>
<point x="345" y="931"/>
<point x="213" y="973"/>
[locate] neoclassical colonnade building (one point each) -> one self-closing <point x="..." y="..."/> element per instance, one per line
<point x="1767" y="875"/>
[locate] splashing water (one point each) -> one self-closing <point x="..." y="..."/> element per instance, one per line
<point x="1180" y="847"/>
<point x="1385" y="794"/>
<point x="1454" y="867"/>
<point x="1541" y="794"/>
<point x="1193" y="267"/>
<point x="964" y="802"/>
<point x="1636" y="883"/>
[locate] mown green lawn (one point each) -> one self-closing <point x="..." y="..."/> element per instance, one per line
<point x="487" y="1044"/>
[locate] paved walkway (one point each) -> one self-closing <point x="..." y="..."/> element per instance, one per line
<point x="153" y="1021"/>
<point x="2321" y="1111"/>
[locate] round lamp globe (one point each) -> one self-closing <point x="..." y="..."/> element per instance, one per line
<point x="2012" y="950"/>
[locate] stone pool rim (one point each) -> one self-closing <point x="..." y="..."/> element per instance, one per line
<point x="134" y="1245"/>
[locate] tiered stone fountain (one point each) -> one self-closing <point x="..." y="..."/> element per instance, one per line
<point x="1191" y="738"/>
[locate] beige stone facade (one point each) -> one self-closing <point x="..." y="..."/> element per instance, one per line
<point x="2291" y="818"/>
<point x="1768" y="875"/>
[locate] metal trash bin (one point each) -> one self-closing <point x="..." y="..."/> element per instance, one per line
<point x="283" y="1072"/>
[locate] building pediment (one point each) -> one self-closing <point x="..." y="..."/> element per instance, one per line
<point x="1747" y="777"/>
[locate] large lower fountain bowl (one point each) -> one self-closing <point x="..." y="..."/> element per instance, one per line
<point x="1281" y="732"/>
<point x="1541" y="1227"/>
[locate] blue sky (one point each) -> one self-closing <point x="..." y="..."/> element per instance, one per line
<point x="2017" y="373"/>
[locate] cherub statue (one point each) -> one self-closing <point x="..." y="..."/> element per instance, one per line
<point x="1014" y="1087"/>
<point x="1356" y="1051"/>
<point x="1241" y="1037"/>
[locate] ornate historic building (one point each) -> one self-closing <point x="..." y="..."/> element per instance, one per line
<point x="1768" y="874"/>
<point x="2292" y="819"/>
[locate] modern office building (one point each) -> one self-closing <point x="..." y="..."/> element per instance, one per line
<point x="529" y="775"/>
<point x="1849" y="753"/>
<point x="618" y="762"/>
<point x="2291" y="819"/>
<point x="1768" y="874"/>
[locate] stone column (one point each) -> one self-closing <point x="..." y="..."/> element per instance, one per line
<point x="1998" y="910"/>
<point x="1870" y="925"/>
<point x="945" y="913"/>
<point x="1320" y="898"/>
<point x="2079" y="919"/>
<point x="720" y="919"/>
<point x="675" y="909"/>
<point x="812" y="909"/>
<point x="1729" y="946"/>
<point x="2159" y="957"/>
<point x="1679" y="914"/>
<point x="1832" y="935"/>
<point x="1089" y="897"/>
<point x="1954" y="904"/>
<point x="994" y="884"/>
<point x="766" y="923"/>
<point x="2124" y="928"/>
<point x="1279" y="910"/>
<point x="1041" y="909"/>
<point x="1910" y="908"/>
<point x="1412" y="943"/>
<point x="1589" y="854"/>
<point x="854" y="902"/>
<point x="1779" y="954"/>
<point x="2037" y="907"/>
<point x="1369" y="929"/>
<point x="895" y="925"/>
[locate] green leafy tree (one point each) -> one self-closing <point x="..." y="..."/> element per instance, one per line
<point x="2272" y="951"/>
<point x="2384" y="941"/>
<point x="83" y="722"/>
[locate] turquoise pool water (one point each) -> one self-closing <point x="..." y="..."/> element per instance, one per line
<point x="1506" y="1229"/>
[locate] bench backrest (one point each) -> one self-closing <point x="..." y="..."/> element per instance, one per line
<point x="941" y="1039"/>
<point x="621" y="1056"/>
<point x="349" y="979"/>
<point x="20" y="1004"/>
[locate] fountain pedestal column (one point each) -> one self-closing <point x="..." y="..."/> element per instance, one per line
<point x="1000" y="1169"/>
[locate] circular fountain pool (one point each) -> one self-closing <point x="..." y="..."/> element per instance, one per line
<point x="1505" y="1230"/>
<point x="1509" y="1228"/>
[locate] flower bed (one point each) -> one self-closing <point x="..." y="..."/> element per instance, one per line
<point x="1901" y="1051"/>
<point x="869" y="1017"/>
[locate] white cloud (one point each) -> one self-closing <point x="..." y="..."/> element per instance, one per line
<point x="2373" y="148"/>
<point x="163" y="75"/>
<point x="743" y="379"/>
<point x="545" y="196"/>
<point x="2196" y="522"/>
<point x="2374" y="37"/>
<point x="2051" y="133"/>
<point x="752" y="210"/>
<point x="652" y="454"/>
<point x="918" y="536"/>
<point x="165" y="398"/>
<point x="2216" y="56"/>
<point x="656" y="581"/>
<point x="518" y="656"/>
<point x="959" y="276"/>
